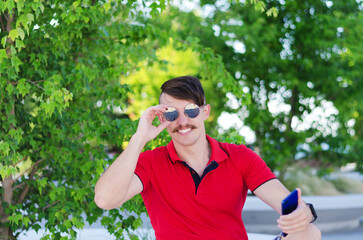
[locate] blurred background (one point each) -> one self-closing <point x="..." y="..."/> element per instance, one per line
<point x="282" y="77"/>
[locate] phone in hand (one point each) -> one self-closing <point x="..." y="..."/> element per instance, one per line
<point x="289" y="204"/>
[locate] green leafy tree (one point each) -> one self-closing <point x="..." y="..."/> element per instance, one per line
<point x="177" y="61"/>
<point x="146" y="81"/>
<point x="60" y="65"/>
<point x="308" y="56"/>
<point x="204" y="64"/>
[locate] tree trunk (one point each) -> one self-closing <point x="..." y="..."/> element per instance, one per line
<point x="7" y="197"/>
<point x="7" y="183"/>
<point x="6" y="200"/>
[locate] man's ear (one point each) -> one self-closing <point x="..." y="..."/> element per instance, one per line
<point x="206" y="110"/>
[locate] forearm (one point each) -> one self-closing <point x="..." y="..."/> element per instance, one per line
<point x="112" y="186"/>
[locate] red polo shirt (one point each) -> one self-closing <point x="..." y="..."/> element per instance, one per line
<point x="182" y="207"/>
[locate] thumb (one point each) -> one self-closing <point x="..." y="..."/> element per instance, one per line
<point x="300" y="201"/>
<point x="163" y="124"/>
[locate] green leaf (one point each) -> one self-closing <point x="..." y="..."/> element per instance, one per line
<point x="260" y="6"/>
<point x="14" y="219"/>
<point x="26" y="221"/>
<point x="77" y="223"/>
<point x="30" y="17"/>
<point x="9" y="5"/>
<point x="19" y="5"/>
<point x="41" y="184"/>
<point x="36" y="227"/>
<point x="137" y="223"/>
<point x="3" y="41"/>
<point x="107" y="6"/>
<point x="19" y="44"/>
<point x="72" y="18"/>
<point x="4" y="147"/>
<point x="23" y="87"/>
<point x="15" y="61"/>
<point x="2" y="55"/>
<point x="154" y="9"/>
<point x="10" y="88"/>
<point x="21" y="33"/>
<point x="272" y="11"/>
<point x="12" y="51"/>
<point x="68" y="223"/>
<point x="76" y="4"/>
<point x="6" y="171"/>
<point x="13" y="34"/>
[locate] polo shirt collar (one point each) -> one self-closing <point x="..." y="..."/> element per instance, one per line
<point x="218" y="154"/>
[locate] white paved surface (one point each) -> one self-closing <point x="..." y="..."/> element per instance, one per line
<point x="102" y="234"/>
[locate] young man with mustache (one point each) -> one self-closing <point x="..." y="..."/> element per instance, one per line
<point x="195" y="187"/>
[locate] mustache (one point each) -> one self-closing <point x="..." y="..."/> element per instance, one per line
<point x="183" y="127"/>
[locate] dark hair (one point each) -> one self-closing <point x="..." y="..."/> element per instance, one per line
<point x="185" y="88"/>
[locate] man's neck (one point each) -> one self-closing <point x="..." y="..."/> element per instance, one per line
<point x="196" y="155"/>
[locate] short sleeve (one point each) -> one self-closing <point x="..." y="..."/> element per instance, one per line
<point x="142" y="169"/>
<point x="256" y="170"/>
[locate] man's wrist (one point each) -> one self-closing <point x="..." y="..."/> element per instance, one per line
<point x="139" y="140"/>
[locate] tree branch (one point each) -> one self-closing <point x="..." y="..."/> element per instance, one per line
<point x="32" y="82"/>
<point x="76" y="138"/>
<point x="25" y="190"/>
<point x="19" y="186"/>
<point x="2" y="23"/>
<point x="35" y="84"/>
<point x="20" y="161"/>
<point x="27" y="169"/>
<point x="10" y="20"/>
<point x="50" y="205"/>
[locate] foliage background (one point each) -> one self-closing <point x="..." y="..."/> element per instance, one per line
<point x="75" y="76"/>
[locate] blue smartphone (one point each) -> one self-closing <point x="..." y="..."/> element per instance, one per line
<point x="289" y="204"/>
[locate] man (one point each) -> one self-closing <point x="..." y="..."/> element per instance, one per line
<point x="195" y="187"/>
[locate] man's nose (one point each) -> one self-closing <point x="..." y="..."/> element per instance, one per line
<point x="182" y="119"/>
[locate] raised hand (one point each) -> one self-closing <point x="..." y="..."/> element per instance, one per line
<point x="146" y="130"/>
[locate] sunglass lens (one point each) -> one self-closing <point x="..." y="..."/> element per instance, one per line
<point x="192" y="110"/>
<point x="171" y="114"/>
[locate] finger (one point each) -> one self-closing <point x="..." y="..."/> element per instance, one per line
<point x="151" y="112"/>
<point x="300" y="223"/>
<point x="301" y="202"/>
<point x="160" y="117"/>
<point x="157" y="110"/>
<point x="294" y="218"/>
<point x="299" y="212"/>
<point x="163" y="125"/>
<point x="299" y="194"/>
<point x="294" y="228"/>
<point x="300" y="219"/>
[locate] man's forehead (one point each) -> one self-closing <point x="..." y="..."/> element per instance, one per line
<point x="168" y="99"/>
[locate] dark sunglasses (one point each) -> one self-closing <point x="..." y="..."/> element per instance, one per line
<point x="191" y="110"/>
